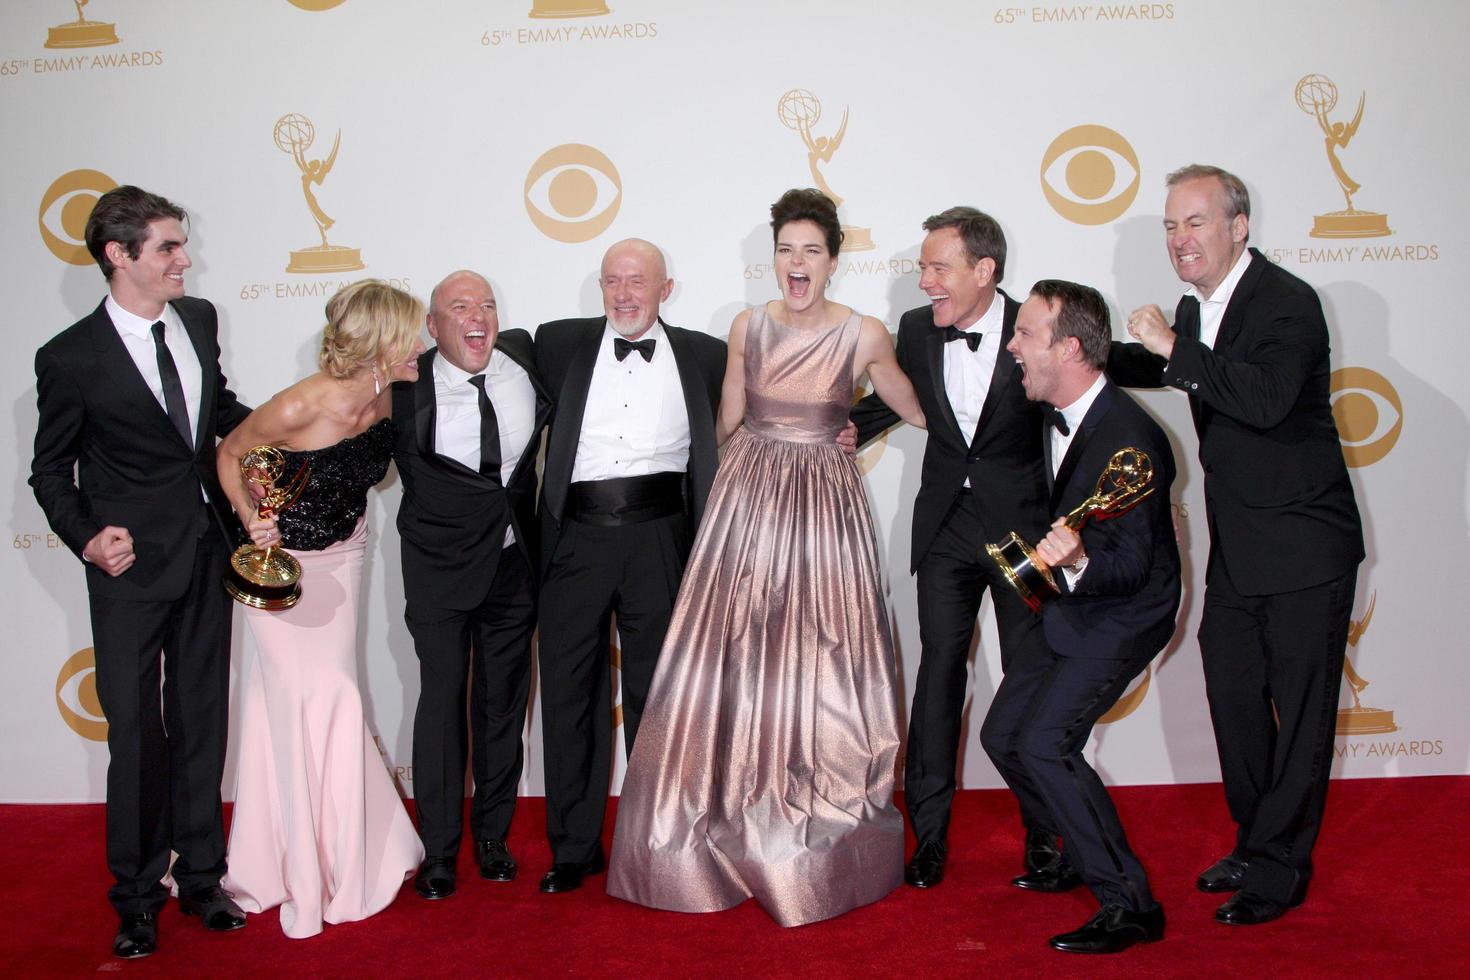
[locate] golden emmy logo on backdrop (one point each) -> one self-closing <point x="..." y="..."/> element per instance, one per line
<point x="267" y="578"/>
<point x="573" y="193"/>
<point x="1129" y="700"/>
<point x="294" y="135"/>
<point x="1368" y="412"/>
<point x="1081" y="172"/>
<point x="76" y="696"/>
<point x="72" y="196"/>
<point x="1359" y="720"/>
<point x="81" y="33"/>
<point x="316" y="5"/>
<point x="1125" y="482"/>
<point x="799" y="109"/>
<point x="615" y="656"/>
<point x="1317" y="96"/>
<point x="568" y="8"/>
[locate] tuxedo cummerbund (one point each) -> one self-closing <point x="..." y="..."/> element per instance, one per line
<point x="626" y="499"/>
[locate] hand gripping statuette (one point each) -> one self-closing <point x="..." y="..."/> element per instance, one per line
<point x="1125" y="481"/>
<point x="267" y="578"/>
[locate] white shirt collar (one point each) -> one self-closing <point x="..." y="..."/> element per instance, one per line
<point x="130" y="322"/>
<point x="655" y="332"/>
<point x="1222" y="292"/>
<point x="451" y="375"/>
<point x="1077" y="411"/>
<point x="992" y="320"/>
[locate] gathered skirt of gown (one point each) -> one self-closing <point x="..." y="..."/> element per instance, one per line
<point x="764" y="766"/>
<point x="318" y="828"/>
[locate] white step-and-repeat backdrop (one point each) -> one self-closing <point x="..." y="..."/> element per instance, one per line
<point x="522" y="137"/>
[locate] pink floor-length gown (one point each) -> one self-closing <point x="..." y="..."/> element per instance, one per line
<point x="318" y="826"/>
<point x="764" y="765"/>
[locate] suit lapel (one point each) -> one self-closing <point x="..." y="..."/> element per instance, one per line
<point x="118" y="366"/>
<point x="423" y="403"/>
<point x="206" y="377"/>
<point x="934" y="358"/>
<point x="561" y="450"/>
<point x="1099" y="407"/>
<point x="1240" y="298"/>
<point x="1186" y="317"/>
<point x="1005" y="366"/>
<point x="702" y="453"/>
<point x="525" y="361"/>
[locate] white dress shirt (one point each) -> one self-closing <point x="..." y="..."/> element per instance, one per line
<point x="635" y="422"/>
<point x="1073" y="415"/>
<point x="1212" y="310"/>
<point x="967" y="373"/>
<point x="457" y="414"/>
<point x="137" y="336"/>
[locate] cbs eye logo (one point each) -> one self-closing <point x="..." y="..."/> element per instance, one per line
<point x="1089" y="175"/>
<point x="66" y="206"/>
<point x="1368" y="413"/>
<point x="315" y="4"/>
<point x="573" y="193"/>
<point x="76" y="696"/>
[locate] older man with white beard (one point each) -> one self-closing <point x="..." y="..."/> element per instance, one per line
<point x="629" y="464"/>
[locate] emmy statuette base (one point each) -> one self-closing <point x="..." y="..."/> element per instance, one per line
<point x="857" y="239"/>
<point x="1350" y="224"/>
<point x="329" y="258"/>
<point x="568" y="8"/>
<point x="1365" y="721"/>
<point x="86" y="34"/>
<point x="1026" y="573"/>
<point x="263" y="579"/>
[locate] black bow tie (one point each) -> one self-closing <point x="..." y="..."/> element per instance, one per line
<point x="972" y="338"/>
<point x="1058" y="421"/>
<point x="621" y="348"/>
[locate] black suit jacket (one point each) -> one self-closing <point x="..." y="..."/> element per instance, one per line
<point x="1125" y="602"/>
<point x="452" y="519"/>
<point x="1281" y="507"/>
<point x="133" y="469"/>
<point x="1003" y="462"/>
<point x="566" y="351"/>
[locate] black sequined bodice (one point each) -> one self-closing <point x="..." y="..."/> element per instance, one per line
<point x="336" y="496"/>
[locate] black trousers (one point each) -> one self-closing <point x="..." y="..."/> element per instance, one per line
<point x="632" y="571"/>
<point x="1273" y="673"/>
<point x="484" y="652"/>
<point x="1035" y="732"/>
<point x="166" y="745"/>
<point x="953" y="577"/>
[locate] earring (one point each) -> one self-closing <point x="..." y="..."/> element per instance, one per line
<point x="377" y="382"/>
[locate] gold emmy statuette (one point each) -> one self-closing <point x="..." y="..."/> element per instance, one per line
<point x="294" y="135"/>
<point x="1125" y="481"/>
<point x="267" y="578"/>
<point x="568" y="8"/>
<point x="799" y="109"/>
<point x="1359" y="720"/>
<point x="81" y="33"/>
<point x="1316" y="95"/>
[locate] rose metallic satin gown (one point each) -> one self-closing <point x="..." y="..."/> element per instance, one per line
<point x="318" y="827"/>
<point x="764" y="766"/>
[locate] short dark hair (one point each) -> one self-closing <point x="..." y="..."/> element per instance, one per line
<point x="807" y="204"/>
<point x="1083" y="314"/>
<point x="123" y="215"/>
<point x="980" y="233"/>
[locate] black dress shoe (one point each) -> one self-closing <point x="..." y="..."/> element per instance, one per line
<point x="1112" y="930"/>
<point x="567" y="876"/>
<point x="927" y="867"/>
<point x="496" y="863"/>
<point x="1249" y="909"/>
<point x="435" y="879"/>
<point x="1061" y="877"/>
<point x="215" y="907"/>
<point x="1041" y="851"/>
<point x="1224" y="875"/>
<point x="137" y="935"/>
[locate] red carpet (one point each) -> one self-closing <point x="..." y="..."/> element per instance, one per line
<point x="1390" y="899"/>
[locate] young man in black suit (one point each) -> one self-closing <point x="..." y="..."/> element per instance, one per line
<point x="629" y="463"/>
<point x="132" y="396"/>
<point x="468" y="432"/>
<point x="982" y="478"/>
<point x="1249" y="346"/>
<point x="1120" y="591"/>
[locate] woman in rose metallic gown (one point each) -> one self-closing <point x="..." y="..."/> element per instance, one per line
<point x="764" y="766"/>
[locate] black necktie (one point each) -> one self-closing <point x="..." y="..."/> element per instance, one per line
<point x="489" y="433"/>
<point x="971" y="337"/>
<point x="1058" y="421"/>
<point x="621" y="348"/>
<point x="173" y="388"/>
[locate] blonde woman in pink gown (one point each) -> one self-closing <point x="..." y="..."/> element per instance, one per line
<point x="319" y="829"/>
<point x="765" y="763"/>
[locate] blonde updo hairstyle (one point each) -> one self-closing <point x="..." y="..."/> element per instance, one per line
<point x="369" y="324"/>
